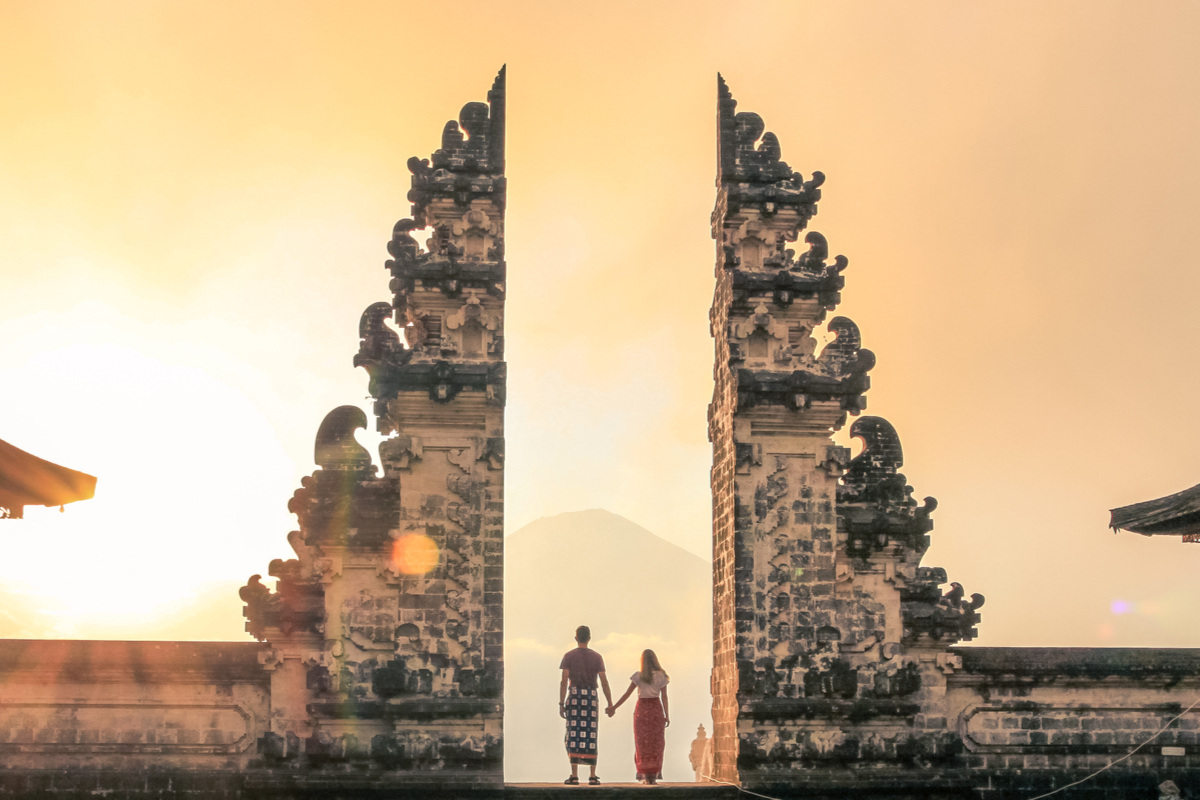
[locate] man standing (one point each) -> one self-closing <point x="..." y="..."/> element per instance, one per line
<point x="579" y="705"/>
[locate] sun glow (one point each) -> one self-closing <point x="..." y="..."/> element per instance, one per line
<point x="120" y="411"/>
<point x="415" y="554"/>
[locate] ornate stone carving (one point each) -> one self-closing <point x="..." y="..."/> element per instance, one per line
<point x="380" y="349"/>
<point x="875" y="505"/>
<point x="766" y="265"/>
<point x="930" y="614"/>
<point x="467" y="166"/>
<point x="799" y="388"/>
<point x="336" y="448"/>
<point x="840" y="373"/>
<point x="751" y="168"/>
<point x="845" y="355"/>
<point x="297" y="606"/>
<point x="399" y="452"/>
<point x="760" y="337"/>
<point x="472" y="329"/>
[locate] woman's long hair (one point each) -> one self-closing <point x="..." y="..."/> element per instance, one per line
<point x="650" y="666"/>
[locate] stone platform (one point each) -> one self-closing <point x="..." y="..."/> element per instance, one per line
<point x="119" y="785"/>
<point x="618" y="791"/>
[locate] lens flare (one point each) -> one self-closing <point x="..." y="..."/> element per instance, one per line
<point x="1122" y="607"/>
<point x="414" y="554"/>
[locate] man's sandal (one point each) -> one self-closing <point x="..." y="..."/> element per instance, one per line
<point x="593" y="781"/>
<point x="572" y="781"/>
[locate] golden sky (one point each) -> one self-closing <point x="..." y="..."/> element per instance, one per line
<point x="195" y="198"/>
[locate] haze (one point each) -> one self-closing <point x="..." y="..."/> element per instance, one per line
<point x="195" y="197"/>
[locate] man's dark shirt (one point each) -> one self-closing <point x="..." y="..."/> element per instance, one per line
<point x="583" y="666"/>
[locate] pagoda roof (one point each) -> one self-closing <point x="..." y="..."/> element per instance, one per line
<point x="26" y="480"/>
<point x="1174" y="515"/>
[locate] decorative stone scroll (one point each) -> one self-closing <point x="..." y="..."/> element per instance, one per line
<point x="470" y="163"/>
<point x="751" y="168"/>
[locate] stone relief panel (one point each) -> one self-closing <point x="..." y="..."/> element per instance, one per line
<point x="1076" y="729"/>
<point x="472" y="331"/>
<point x="134" y="728"/>
<point x="760" y="338"/>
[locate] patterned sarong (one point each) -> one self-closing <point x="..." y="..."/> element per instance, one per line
<point x="649" y="729"/>
<point x="582" y="716"/>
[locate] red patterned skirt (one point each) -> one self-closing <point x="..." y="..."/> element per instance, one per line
<point x="649" y="729"/>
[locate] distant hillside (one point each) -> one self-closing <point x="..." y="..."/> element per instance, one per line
<point x="635" y="591"/>
<point x="599" y="569"/>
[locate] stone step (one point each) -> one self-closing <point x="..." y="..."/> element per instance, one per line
<point x="618" y="791"/>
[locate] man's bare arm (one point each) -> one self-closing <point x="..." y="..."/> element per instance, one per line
<point x="562" y="693"/>
<point x="604" y="684"/>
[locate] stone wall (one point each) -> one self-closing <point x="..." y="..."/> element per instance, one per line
<point x="131" y="706"/>
<point x="1034" y="719"/>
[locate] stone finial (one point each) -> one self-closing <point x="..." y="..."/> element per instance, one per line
<point x="875" y="505"/>
<point x="929" y="613"/>
<point x="297" y="606"/>
<point x="750" y="165"/>
<point x="336" y="447"/>
<point x="470" y="162"/>
<point x="874" y="474"/>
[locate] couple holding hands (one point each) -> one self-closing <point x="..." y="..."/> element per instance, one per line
<point x="579" y="705"/>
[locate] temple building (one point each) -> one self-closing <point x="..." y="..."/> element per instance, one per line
<point x="1174" y="515"/>
<point x="26" y="480"/>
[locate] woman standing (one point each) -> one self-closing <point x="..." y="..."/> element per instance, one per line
<point x="651" y="716"/>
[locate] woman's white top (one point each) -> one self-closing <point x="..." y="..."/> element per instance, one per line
<point x="652" y="689"/>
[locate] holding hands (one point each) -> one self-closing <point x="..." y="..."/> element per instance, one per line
<point x="610" y="710"/>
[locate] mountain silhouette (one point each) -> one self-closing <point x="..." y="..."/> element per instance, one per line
<point x="599" y="569"/>
<point x="635" y="591"/>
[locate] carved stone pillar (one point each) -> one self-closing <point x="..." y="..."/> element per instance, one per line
<point x="386" y="631"/>
<point x="822" y="618"/>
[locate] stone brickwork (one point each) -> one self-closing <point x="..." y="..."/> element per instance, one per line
<point x="131" y="706"/>
<point x="830" y="639"/>
<point x="1036" y="719"/>
<point x="386" y="631"/>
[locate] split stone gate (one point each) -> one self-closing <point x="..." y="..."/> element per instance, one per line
<point x="380" y="669"/>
